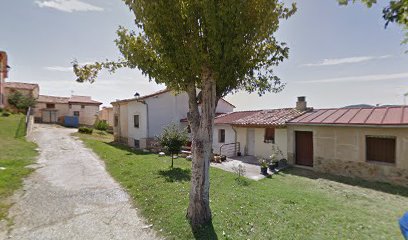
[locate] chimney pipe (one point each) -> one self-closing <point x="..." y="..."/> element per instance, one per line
<point x="301" y="103"/>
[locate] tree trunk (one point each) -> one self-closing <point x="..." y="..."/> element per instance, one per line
<point x="199" y="212"/>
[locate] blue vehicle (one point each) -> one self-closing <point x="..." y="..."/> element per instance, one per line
<point x="404" y="225"/>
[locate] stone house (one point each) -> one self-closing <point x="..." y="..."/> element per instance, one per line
<point x="52" y="109"/>
<point x="27" y="89"/>
<point x="369" y="143"/>
<point x="137" y="121"/>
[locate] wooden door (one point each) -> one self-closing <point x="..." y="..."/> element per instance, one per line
<point x="304" y="148"/>
<point x="251" y="141"/>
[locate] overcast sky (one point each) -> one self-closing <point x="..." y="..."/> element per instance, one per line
<point x="338" y="55"/>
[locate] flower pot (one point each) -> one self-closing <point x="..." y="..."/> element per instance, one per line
<point x="264" y="170"/>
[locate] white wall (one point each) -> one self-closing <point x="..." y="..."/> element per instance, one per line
<point x="264" y="149"/>
<point x="229" y="137"/>
<point x="136" y="108"/>
<point x="87" y="115"/>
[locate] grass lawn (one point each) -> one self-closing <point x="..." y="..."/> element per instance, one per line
<point x="296" y="204"/>
<point x="15" y="154"/>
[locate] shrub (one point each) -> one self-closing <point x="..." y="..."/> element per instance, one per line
<point x="20" y="101"/>
<point x="101" y="125"/>
<point x="6" y="114"/>
<point x="85" y="130"/>
<point x="172" y="140"/>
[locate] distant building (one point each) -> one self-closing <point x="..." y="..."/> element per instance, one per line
<point x="52" y="109"/>
<point x="3" y="76"/>
<point x="106" y="114"/>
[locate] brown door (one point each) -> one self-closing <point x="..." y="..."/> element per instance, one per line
<point x="304" y="148"/>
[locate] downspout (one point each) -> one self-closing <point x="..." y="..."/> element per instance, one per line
<point x="235" y="139"/>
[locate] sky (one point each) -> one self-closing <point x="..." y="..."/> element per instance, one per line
<point x="338" y="56"/>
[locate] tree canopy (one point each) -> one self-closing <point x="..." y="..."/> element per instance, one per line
<point x="174" y="40"/>
<point x="395" y="12"/>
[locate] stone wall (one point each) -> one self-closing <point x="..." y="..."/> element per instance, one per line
<point x="375" y="172"/>
<point x="341" y="150"/>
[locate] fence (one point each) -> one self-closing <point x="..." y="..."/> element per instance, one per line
<point x="230" y="149"/>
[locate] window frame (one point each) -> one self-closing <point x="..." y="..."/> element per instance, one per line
<point x="116" y="121"/>
<point x="138" y="121"/>
<point x="392" y="159"/>
<point x="267" y="137"/>
<point x="221" y="135"/>
<point x="50" y="105"/>
<point x="76" y="113"/>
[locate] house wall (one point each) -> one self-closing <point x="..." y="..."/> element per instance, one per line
<point x="342" y="151"/>
<point x="106" y="114"/>
<point x="229" y="138"/>
<point x="87" y="115"/>
<point x="120" y="132"/>
<point x="62" y="110"/>
<point x="263" y="149"/>
<point x="137" y="108"/>
<point x="165" y="109"/>
<point x="26" y="92"/>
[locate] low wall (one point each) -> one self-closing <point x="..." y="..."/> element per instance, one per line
<point x="376" y="172"/>
<point x="29" y="125"/>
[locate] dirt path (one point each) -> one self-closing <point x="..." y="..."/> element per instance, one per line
<point x="71" y="196"/>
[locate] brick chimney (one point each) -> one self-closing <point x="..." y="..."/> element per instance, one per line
<point x="301" y="103"/>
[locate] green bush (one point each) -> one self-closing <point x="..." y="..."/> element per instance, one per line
<point x="85" y="130"/>
<point x="6" y="114"/>
<point x="101" y="125"/>
<point x="20" y="101"/>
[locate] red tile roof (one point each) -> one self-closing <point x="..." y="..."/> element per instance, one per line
<point x="272" y="117"/>
<point x="61" y="100"/>
<point x="20" y="85"/>
<point x="83" y="99"/>
<point x="396" y="115"/>
<point x="52" y="99"/>
<point x="229" y="118"/>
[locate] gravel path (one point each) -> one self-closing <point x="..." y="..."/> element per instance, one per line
<point x="71" y="196"/>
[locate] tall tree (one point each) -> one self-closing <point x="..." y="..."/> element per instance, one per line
<point x="217" y="47"/>
<point x="395" y="12"/>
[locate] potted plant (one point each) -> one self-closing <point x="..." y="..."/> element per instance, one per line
<point x="264" y="166"/>
<point x="275" y="157"/>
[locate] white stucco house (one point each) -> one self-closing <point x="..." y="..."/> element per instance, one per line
<point x="137" y="121"/>
<point x="254" y="133"/>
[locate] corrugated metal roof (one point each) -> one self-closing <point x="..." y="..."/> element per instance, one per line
<point x="395" y="115"/>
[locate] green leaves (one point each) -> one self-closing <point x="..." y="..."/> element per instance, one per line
<point x="176" y="39"/>
<point x="20" y="101"/>
<point x="173" y="139"/>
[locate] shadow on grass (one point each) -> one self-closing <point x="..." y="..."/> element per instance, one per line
<point x="378" y="186"/>
<point x="21" y="128"/>
<point x="129" y="150"/>
<point x="176" y="174"/>
<point x="206" y="232"/>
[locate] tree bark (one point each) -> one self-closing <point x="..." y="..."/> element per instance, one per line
<point x="201" y="124"/>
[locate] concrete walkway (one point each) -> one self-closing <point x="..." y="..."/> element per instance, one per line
<point x="71" y="196"/>
<point x="252" y="168"/>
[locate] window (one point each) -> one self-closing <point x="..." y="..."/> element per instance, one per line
<point x="50" y="105"/>
<point x="70" y="106"/>
<point x="269" y="135"/>
<point x="136" y="121"/>
<point x="116" y="121"/>
<point x="221" y="136"/>
<point x="82" y="106"/>
<point x="76" y="113"/>
<point x="137" y="144"/>
<point x="380" y="149"/>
